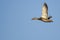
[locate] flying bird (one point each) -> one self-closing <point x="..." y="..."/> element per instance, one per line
<point x="44" y="17"/>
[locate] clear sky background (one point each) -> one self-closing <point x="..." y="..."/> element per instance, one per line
<point x="16" y="20"/>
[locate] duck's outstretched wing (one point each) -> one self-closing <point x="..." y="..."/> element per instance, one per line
<point x="49" y="17"/>
<point x="45" y="11"/>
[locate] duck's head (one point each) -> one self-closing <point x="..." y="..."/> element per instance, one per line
<point x="36" y="18"/>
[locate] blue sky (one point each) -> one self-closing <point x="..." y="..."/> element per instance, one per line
<point x="16" y="23"/>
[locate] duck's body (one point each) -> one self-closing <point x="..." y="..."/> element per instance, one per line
<point x="43" y="19"/>
<point x="44" y="16"/>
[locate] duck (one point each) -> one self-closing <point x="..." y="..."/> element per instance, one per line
<point x="44" y="17"/>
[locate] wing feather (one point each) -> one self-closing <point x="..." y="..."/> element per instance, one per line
<point x="45" y="11"/>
